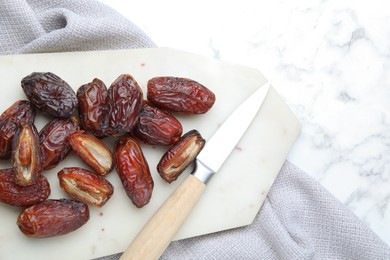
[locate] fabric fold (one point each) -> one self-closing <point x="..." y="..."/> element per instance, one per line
<point x="59" y="26"/>
<point x="16" y="32"/>
<point x="298" y="220"/>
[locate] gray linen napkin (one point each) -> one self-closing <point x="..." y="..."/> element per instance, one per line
<point x="298" y="220"/>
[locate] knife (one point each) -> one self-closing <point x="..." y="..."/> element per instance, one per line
<point x="159" y="231"/>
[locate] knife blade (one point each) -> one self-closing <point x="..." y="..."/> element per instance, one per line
<point x="159" y="231"/>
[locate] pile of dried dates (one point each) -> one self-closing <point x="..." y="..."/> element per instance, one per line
<point x="79" y="123"/>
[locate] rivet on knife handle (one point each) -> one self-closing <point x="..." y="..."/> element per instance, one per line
<point x="159" y="231"/>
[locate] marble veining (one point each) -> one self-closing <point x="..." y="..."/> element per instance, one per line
<point x="329" y="60"/>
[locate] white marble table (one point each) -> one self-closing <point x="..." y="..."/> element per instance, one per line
<point x="329" y="60"/>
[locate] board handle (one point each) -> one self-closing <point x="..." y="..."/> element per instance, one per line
<point x="159" y="231"/>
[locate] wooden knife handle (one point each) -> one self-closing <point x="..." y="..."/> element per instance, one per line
<point x="159" y="231"/>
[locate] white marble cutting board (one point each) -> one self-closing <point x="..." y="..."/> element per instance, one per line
<point x="232" y="198"/>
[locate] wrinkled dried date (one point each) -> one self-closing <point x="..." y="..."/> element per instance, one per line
<point x="85" y="186"/>
<point x="133" y="171"/>
<point x="157" y="127"/>
<point x="26" y="155"/>
<point x="92" y="107"/>
<point x="179" y="156"/>
<point x="20" y="112"/>
<point x="92" y="151"/>
<point x="180" y="95"/>
<point x="116" y="111"/>
<point x="50" y="94"/>
<point x="23" y="196"/>
<point x="53" y="218"/>
<point x="53" y="141"/>
<point x="124" y="103"/>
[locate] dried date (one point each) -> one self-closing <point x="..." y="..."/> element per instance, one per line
<point x="92" y="151"/>
<point x="26" y="155"/>
<point x="180" y="95"/>
<point x="22" y="196"/>
<point x="53" y="139"/>
<point x="50" y="94"/>
<point x="19" y="112"/>
<point x="157" y="127"/>
<point x="85" y="186"/>
<point x="124" y="103"/>
<point x="180" y="156"/>
<point x="133" y="171"/>
<point x="53" y="218"/>
<point x="92" y="107"/>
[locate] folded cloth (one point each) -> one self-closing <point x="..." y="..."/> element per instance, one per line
<point x="299" y="218"/>
<point x="56" y="25"/>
